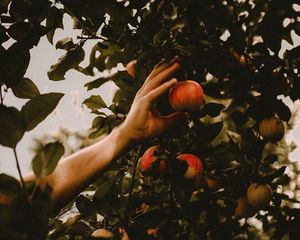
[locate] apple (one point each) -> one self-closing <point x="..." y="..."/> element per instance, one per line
<point x="103" y="234"/>
<point x="259" y="195"/>
<point x="149" y="158"/>
<point x="186" y="96"/>
<point x="244" y="209"/>
<point x="195" y="166"/>
<point x="271" y="129"/>
<point x="130" y="67"/>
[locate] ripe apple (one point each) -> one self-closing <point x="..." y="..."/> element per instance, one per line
<point x="259" y="195"/>
<point x="271" y="129"/>
<point x="103" y="234"/>
<point x="149" y="158"/>
<point x="130" y="67"/>
<point x="244" y="209"/>
<point x="195" y="166"/>
<point x="186" y="96"/>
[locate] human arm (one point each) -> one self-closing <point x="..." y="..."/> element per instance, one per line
<point x="74" y="173"/>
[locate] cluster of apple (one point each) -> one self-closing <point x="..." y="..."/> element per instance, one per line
<point x="258" y="196"/>
<point x="151" y="163"/>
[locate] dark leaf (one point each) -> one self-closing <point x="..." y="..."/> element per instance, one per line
<point x="54" y="21"/>
<point x="102" y="191"/>
<point x="84" y="206"/>
<point x="47" y="158"/>
<point x="38" y="108"/>
<point x="12" y="126"/>
<point x="25" y="89"/>
<point x="283" y="111"/>
<point x="269" y="178"/>
<point x="9" y="185"/>
<point x="19" y="30"/>
<point x="68" y="61"/>
<point x="96" y="83"/>
<point x="213" y="109"/>
<point x="65" y="43"/>
<point x="94" y="103"/>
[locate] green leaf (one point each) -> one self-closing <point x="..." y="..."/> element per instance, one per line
<point x="54" y="21"/>
<point x="94" y="103"/>
<point x="12" y="126"/>
<point x="47" y="158"/>
<point x="25" y="89"/>
<point x="38" y="108"/>
<point x="96" y="83"/>
<point x="68" y="61"/>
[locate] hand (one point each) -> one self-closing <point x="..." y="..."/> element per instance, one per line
<point x="144" y="121"/>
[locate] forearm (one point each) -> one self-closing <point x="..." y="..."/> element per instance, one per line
<point x="77" y="171"/>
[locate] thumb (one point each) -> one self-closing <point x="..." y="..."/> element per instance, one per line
<point x="175" y="119"/>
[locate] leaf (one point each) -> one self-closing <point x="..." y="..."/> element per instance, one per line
<point x="102" y="191"/>
<point x="96" y="83"/>
<point x="211" y="131"/>
<point x="94" y="103"/>
<point x="38" y="108"/>
<point x="25" y="89"/>
<point x="54" y="21"/>
<point x="84" y="206"/>
<point x="9" y="185"/>
<point x="16" y="62"/>
<point x="283" y="111"/>
<point x="68" y="61"/>
<point x="213" y="109"/>
<point x="12" y="126"/>
<point x="65" y="43"/>
<point x="269" y="178"/>
<point x="47" y="158"/>
<point x="19" y="30"/>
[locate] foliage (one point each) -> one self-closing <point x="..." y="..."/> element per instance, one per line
<point x="230" y="47"/>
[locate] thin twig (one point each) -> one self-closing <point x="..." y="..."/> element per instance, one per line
<point x="19" y="170"/>
<point x="132" y="180"/>
<point x="1" y="96"/>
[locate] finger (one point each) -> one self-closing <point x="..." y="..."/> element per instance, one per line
<point x="162" y="77"/>
<point x="161" y="67"/>
<point x="155" y="93"/>
<point x="175" y="119"/>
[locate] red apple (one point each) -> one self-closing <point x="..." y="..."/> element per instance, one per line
<point x="195" y="166"/>
<point x="186" y="96"/>
<point x="149" y="158"/>
<point x="130" y="67"/>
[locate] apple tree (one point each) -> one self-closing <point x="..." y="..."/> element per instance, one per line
<point x="225" y="174"/>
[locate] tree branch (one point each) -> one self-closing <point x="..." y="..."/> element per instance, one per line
<point x="19" y="169"/>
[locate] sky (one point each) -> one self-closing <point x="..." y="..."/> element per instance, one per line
<point x="70" y="113"/>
